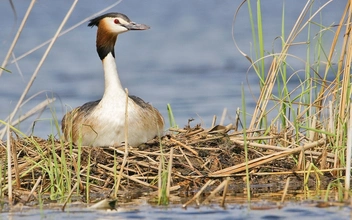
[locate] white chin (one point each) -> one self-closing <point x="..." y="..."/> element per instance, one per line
<point x="119" y="30"/>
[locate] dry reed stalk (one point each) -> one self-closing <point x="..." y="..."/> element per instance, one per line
<point x="34" y="160"/>
<point x="265" y="159"/>
<point x="15" y="165"/>
<point x="31" y="112"/>
<point x="266" y="91"/>
<point x="194" y="132"/>
<point x="144" y="164"/>
<point x="116" y="149"/>
<point x="189" y="162"/>
<point x="313" y="126"/>
<point x="185" y="146"/>
<point x="136" y="162"/>
<point x="198" y="141"/>
<point x="75" y="167"/>
<point x="239" y="133"/>
<point x="196" y="196"/>
<point x="111" y="173"/>
<point x="348" y="156"/>
<point x="97" y="188"/>
<point x="225" y="192"/>
<point x="126" y="147"/>
<point x="15" y="39"/>
<point x="345" y="94"/>
<point x="218" y="129"/>
<point x="65" y="31"/>
<point x="324" y="155"/>
<point x="34" y="188"/>
<point x="290" y="172"/>
<point x="257" y="138"/>
<point x="213" y="123"/>
<point x="159" y="179"/>
<point x="332" y="50"/>
<point x="69" y="197"/>
<point x="178" y="130"/>
<point x="253" y="144"/>
<point x="90" y="177"/>
<point x="223" y="116"/>
<point x="147" y="155"/>
<point x="207" y="148"/>
<point x="310" y="136"/>
<point x="9" y="176"/>
<point x="169" y="173"/>
<point x="79" y="180"/>
<point x="324" y="158"/>
<point x="285" y="190"/>
<point x="215" y="191"/>
<point x="35" y="73"/>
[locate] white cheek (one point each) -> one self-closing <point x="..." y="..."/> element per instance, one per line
<point x="119" y="29"/>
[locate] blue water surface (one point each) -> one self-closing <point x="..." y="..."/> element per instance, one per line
<point x="231" y="211"/>
<point x="187" y="59"/>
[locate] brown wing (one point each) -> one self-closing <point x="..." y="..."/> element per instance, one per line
<point x="72" y="119"/>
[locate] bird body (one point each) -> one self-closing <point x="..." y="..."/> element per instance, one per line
<point x="102" y="122"/>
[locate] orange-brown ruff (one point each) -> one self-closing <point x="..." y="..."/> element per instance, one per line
<point x="102" y="122"/>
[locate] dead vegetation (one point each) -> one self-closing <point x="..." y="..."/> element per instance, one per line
<point x="297" y="138"/>
<point x="199" y="158"/>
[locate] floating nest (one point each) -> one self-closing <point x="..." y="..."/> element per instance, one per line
<point x="185" y="160"/>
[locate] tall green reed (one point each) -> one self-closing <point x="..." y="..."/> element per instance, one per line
<point x="306" y="103"/>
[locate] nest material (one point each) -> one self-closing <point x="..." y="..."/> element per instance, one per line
<point x="197" y="156"/>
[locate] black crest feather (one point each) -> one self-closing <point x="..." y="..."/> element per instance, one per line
<point x="95" y="21"/>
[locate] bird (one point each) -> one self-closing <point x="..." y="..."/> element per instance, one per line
<point x="102" y="122"/>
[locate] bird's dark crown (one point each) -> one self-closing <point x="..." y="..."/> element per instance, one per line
<point x="95" y="21"/>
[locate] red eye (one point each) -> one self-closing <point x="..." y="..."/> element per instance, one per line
<point x="116" y="21"/>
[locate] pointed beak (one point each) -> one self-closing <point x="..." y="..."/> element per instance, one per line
<point x="135" y="26"/>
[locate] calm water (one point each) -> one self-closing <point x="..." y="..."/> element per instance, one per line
<point x="291" y="211"/>
<point x="187" y="58"/>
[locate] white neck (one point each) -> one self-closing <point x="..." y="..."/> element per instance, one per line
<point x="113" y="88"/>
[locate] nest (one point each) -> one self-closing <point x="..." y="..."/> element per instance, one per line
<point x="189" y="158"/>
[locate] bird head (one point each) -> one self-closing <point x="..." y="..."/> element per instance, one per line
<point x="109" y="26"/>
<point x="116" y="23"/>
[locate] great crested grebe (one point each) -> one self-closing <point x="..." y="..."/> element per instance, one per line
<point x="102" y="122"/>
